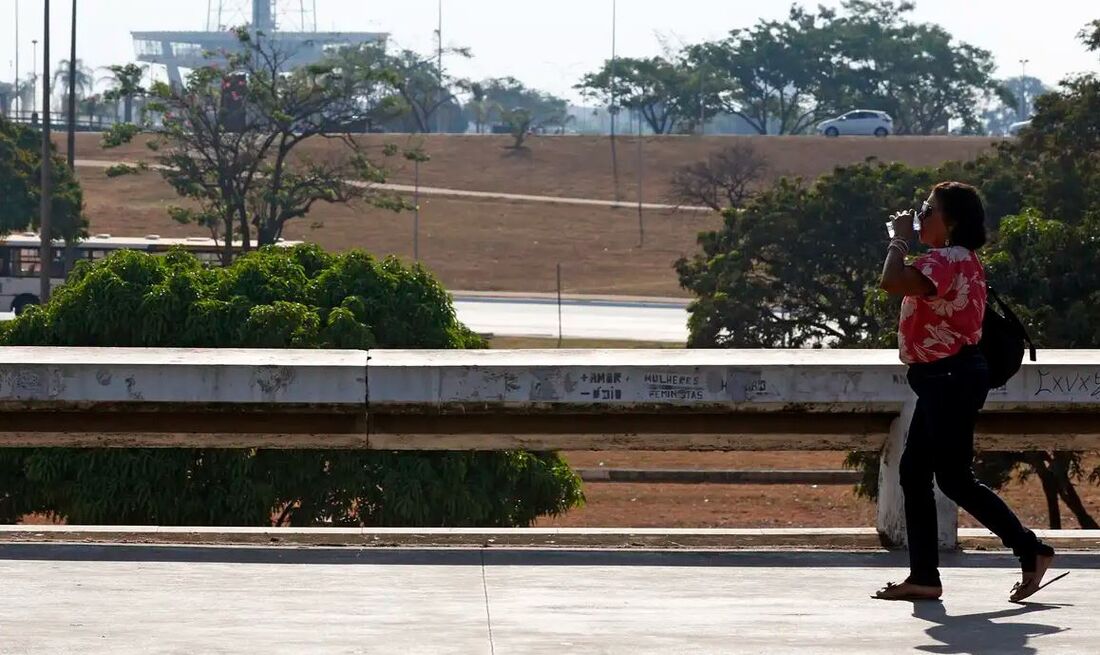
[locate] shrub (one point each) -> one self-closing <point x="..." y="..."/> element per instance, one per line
<point x="297" y="297"/>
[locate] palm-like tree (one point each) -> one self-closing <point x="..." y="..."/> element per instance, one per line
<point x="24" y="90"/>
<point x="84" y="81"/>
<point x="125" y="84"/>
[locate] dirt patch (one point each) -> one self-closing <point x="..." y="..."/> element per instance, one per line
<point x="580" y="166"/>
<point x="470" y="244"/>
<point x="492" y="245"/>
<point x="751" y="506"/>
<point x="761" y="506"/>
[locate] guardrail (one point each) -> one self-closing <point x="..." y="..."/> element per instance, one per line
<point x="60" y="120"/>
<point x="530" y="399"/>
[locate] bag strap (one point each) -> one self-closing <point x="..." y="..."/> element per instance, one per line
<point x="1011" y="315"/>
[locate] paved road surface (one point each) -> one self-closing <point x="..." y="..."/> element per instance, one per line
<point x="489" y="195"/>
<point x="140" y="599"/>
<point x="581" y="319"/>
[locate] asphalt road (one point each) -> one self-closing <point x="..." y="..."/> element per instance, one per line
<point x="632" y="320"/>
<point x="629" y="320"/>
<point x="144" y="599"/>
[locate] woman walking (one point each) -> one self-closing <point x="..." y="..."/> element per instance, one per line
<point x="941" y="324"/>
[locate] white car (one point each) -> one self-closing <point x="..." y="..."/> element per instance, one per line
<point x="864" y="122"/>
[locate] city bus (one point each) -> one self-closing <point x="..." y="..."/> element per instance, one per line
<point x="20" y="261"/>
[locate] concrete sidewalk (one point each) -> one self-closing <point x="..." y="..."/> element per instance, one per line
<point x="144" y="599"/>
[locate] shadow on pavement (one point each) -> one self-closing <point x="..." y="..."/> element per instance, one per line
<point x="507" y="556"/>
<point x="978" y="634"/>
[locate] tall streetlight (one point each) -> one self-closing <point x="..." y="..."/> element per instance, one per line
<point x="45" y="254"/>
<point x="1023" y="89"/>
<point x="439" y="65"/>
<point x="34" y="77"/>
<point x="71" y="154"/>
<point x="613" y="110"/>
<point x="17" y="104"/>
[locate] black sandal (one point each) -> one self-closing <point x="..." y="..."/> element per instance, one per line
<point x="1033" y="581"/>
<point x="908" y="591"/>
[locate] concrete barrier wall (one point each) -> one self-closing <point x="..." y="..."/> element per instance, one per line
<point x="545" y="399"/>
<point x="59" y="378"/>
<point x="534" y="381"/>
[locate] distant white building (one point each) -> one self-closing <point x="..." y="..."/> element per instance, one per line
<point x="190" y="50"/>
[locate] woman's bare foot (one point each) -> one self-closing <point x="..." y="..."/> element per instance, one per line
<point x="908" y="591"/>
<point x="1032" y="580"/>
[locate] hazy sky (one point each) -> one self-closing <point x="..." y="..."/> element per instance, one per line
<point x="552" y="45"/>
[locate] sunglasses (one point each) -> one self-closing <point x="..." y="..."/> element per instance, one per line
<point x="925" y="210"/>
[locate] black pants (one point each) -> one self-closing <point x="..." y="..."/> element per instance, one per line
<point x="940" y="443"/>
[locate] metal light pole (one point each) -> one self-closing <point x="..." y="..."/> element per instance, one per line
<point x="1023" y="89"/>
<point x="34" y="77"/>
<point x="416" y="214"/>
<point x="439" y="66"/>
<point x="641" y="225"/>
<point x="702" y="109"/>
<point x="45" y="253"/>
<point x="559" y="304"/>
<point x="17" y="104"/>
<point x="612" y="109"/>
<point x="71" y="154"/>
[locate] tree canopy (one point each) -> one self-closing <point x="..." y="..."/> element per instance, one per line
<point x="126" y="85"/>
<point x="665" y="93"/>
<point x="21" y="189"/>
<point x="229" y="142"/>
<point x="784" y="76"/>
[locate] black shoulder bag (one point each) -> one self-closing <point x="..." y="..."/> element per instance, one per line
<point x="1002" y="343"/>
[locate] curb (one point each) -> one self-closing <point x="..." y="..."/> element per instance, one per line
<point x="719" y="476"/>
<point x="545" y="538"/>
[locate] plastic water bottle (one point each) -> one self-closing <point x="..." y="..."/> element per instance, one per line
<point x="916" y="224"/>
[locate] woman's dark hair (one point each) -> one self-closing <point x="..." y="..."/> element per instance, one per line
<point x="962" y="207"/>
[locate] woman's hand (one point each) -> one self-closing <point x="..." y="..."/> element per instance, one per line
<point x="903" y="224"/>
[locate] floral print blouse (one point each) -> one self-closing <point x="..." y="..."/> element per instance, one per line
<point x="939" y="325"/>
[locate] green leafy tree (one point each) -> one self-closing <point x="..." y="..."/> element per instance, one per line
<point x="229" y="142"/>
<point x="125" y="81"/>
<point x="83" y="78"/>
<point x="664" y="92"/>
<point x="367" y="77"/>
<point x="1003" y="112"/>
<point x="520" y="123"/>
<point x="24" y="90"/>
<point x="769" y="74"/>
<point x="917" y="72"/>
<point x="507" y="93"/>
<point x="423" y="88"/>
<point x="276" y="298"/>
<point x="521" y="108"/>
<point x="1057" y="153"/>
<point x="478" y="106"/>
<point x="1090" y="35"/>
<point x="790" y="269"/>
<point x="21" y="190"/>
<point x="783" y="76"/>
